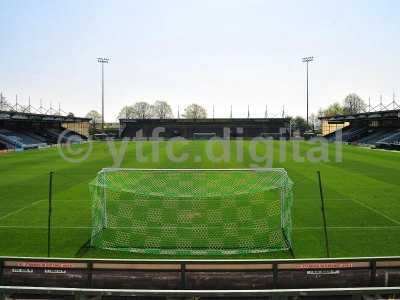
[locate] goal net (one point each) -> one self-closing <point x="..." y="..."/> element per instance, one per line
<point x="191" y="211"/>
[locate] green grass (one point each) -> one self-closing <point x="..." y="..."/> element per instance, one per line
<point x="362" y="197"/>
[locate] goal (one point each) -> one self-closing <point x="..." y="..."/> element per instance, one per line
<point x="192" y="211"/>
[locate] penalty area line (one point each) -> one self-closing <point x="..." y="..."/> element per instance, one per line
<point x="20" y="209"/>
<point x="376" y="211"/>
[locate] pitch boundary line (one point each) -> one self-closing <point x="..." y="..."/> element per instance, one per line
<point x="90" y="201"/>
<point x="294" y="228"/>
<point x="44" y="227"/>
<point x="376" y="211"/>
<point x="346" y="227"/>
<point x="20" y="209"/>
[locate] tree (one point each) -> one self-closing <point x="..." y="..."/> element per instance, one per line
<point x="299" y="123"/>
<point x="314" y="121"/>
<point x="4" y="105"/>
<point x="127" y="112"/>
<point x="333" y="110"/>
<point x="142" y="110"/>
<point x="162" y="110"/>
<point x="95" y="117"/>
<point x="353" y="104"/>
<point x="195" y="111"/>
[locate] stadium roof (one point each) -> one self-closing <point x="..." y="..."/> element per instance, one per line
<point x="24" y="116"/>
<point x="373" y="115"/>
<point x="207" y="120"/>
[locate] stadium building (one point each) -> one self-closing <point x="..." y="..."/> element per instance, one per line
<point x="377" y="128"/>
<point x="206" y="128"/>
<point x="23" y="130"/>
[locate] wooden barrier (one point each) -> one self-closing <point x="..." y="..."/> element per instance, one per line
<point x="356" y="293"/>
<point x="200" y="274"/>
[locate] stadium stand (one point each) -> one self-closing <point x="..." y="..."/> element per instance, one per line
<point x="20" y="139"/>
<point x="373" y="135"/>
<point x="380" y="129"/>
<point x="391" y="141"/>
<point x="22" y="131"/>
<point x="65" y="136"/>
<point x="206" y="128"/>
<point x="35" y="136"/>
<point x="51" y="136"/>
<point x="350" y="134"/>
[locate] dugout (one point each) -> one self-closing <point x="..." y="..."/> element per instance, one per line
<point x="206" y="128"/>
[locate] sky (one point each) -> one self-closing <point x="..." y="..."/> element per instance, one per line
<point x="211" y="52"/>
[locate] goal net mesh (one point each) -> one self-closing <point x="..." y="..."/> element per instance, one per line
<point x="192" y="212"/>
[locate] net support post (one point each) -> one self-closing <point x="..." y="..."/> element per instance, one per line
<point x="284" y="235"/>
<point x="321" y="193"/>
<point x="288" y="244"/>
<point x="104" y="200"/>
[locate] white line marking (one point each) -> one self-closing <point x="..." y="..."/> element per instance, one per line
<point x="376" y="211"/>
<point x="347" y="227"/>
<point x="294" y="228"/>
<point x="21" y="209"/>
<point x="43" y="227"/>
<point x="57" y="200"/>
<point x="317" y="200"/>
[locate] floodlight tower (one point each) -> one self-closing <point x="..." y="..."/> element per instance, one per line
<point x="102" y="61"/>
<point x="307" y="60"/>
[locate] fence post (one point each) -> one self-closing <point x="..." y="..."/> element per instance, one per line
<point x="275" y="274"/>
<point x="323" y="214"/>
<point x="183" y="276"/>
<point x="373" y="272"/>
<point x="49" y="213"/>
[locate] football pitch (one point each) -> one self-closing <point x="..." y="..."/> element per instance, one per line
<point x="362" y="195"/>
